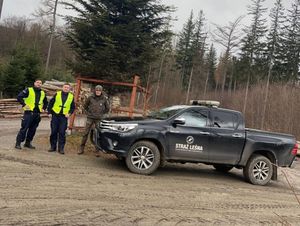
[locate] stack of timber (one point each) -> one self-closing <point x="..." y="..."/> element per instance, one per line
<point x="10" y="108"/>
<point x="51" y="87"/>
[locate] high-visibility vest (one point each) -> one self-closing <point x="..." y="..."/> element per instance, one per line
<point x="30" y="100"/>
<point x="57" y="106"/>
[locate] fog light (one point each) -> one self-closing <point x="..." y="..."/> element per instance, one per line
<point x="115" y="143"/>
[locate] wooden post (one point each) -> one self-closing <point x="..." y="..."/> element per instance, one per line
<point x="133" y="95"/>
<point x="76" y="98"/>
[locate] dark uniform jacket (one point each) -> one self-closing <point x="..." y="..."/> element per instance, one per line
<point x="25" y="93"/>
<point x="96" y="106"/>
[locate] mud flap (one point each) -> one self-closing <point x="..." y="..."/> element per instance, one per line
<point x="274" y="176"/>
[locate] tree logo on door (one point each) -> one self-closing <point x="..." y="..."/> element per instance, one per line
<point x="190" y="139"/>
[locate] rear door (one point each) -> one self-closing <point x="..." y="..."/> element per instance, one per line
<point x="191" y="140"/>
<point x="227" y="137"/>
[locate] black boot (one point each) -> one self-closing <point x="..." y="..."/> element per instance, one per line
<point x="61" y="152"/>
<point x="18" y="145"/>
<point x="52" y="150"/>
<point x="28" y="145"/>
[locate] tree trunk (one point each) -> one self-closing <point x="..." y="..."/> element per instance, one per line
<point x="159" y="75"/>
<point x="206" y="83"/>
<point x="189" y="86"/>
<point x="51" y="36"/>
<point x="246" y="94"/>
<point x="266" y="98"/>
<point x="1" y="4"/>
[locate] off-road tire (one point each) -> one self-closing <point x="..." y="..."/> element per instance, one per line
<point x="259" y="170"/>
<point x="143" y="158"/>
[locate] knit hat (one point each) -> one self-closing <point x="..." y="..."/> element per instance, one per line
<point x="99" y="87"/>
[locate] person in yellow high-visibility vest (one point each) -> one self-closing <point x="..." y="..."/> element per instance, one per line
<point x="60" y="107"/>
<point x="33" y="101"/>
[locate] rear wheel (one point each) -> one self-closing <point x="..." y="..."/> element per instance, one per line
<point x="259" y="170"/>
<point x="143" y="158"/>
<point x="222" y="168"/>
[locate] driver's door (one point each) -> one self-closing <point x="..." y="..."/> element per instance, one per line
<point x="189" y="141"/>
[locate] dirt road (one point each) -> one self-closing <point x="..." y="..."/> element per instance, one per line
<point x="41" y="188"/>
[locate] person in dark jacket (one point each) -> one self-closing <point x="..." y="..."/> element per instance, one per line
<point x="60" y="107"/>
<point x="33" y="101"/>
<point x="95" y="106"/>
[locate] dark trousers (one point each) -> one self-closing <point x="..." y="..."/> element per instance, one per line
<point x="29" y="124"/>
<point x="59" y="124"/>
<point x="88" y="126"/>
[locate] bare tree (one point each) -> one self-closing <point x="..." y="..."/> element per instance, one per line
<point x="49" y="9"/>
<point x="228" y="37"/>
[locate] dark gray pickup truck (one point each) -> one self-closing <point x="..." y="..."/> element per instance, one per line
<point x="196" y="134"/>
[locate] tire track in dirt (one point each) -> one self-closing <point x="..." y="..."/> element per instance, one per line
<point x="28" y="162"/>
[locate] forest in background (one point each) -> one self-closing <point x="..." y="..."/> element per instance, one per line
<point x="256" y="71"/>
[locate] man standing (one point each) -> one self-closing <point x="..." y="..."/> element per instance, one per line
<point x="33" y="101"/>
<point x="95" y="106"/>
<point x="60" y="107"/>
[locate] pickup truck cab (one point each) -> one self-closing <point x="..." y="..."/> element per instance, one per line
<point x="196" y="134"/>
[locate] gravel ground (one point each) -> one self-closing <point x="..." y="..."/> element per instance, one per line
<point x="41" y="188"/>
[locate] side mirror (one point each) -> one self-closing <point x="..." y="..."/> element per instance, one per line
<point x="179" y="121"/>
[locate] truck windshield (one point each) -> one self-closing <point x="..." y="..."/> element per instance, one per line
<point x="165" y="113"/>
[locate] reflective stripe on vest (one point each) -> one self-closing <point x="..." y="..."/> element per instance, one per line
<point x="30" y="100"/>
<point x="57" y="106"/>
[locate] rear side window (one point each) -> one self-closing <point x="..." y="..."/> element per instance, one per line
<point x="224" y="120"/>
<point x="195" y="118"/>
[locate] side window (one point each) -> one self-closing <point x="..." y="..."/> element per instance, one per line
<point x="224" y="120"/>
<point x="195" y="118"/>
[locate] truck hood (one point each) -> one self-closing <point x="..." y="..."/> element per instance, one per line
<point x="133" y="120"/>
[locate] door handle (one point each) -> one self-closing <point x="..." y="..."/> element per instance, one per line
<point x="237" y="135"/>
<point x="204" y="133"/>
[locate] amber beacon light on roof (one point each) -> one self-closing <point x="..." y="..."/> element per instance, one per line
<point x="208" y="103"/>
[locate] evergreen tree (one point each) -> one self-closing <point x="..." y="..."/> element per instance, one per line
<point x="253" y="46"/>
<point x="199" y="48"/>
<point x="275" y="51"/>
<point x="23" y="68"/>
<point x="211" y="66"/>
<point x="273" y="48"/>
<point x="292" y="42"/>
<point x="115" y="39"/>
<point x="185" y="51"/>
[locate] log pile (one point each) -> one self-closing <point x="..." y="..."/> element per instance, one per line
<point x="51" y="87"/>
<point x="10" y="108"/>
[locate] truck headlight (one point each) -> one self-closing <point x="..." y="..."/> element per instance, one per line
<point x="123" y="127"/>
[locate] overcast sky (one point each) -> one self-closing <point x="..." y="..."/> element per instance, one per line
<point x="215" y="11"/>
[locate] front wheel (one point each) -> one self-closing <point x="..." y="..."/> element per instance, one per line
<point x="143" y="158"/>
<point x="258" y="170"/>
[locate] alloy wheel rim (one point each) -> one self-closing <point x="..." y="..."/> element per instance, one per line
<point x="261" y="171"/>
<point x="142" y="158"/>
